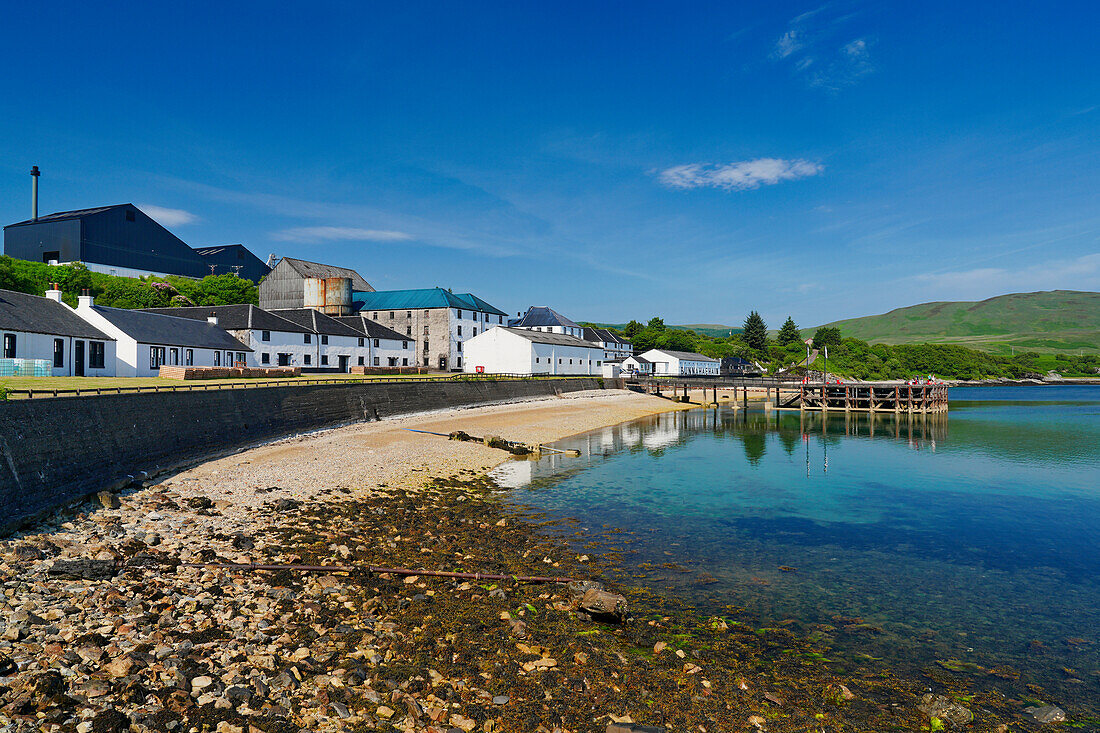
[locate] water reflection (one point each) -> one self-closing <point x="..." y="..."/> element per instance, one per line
<point x="969" y="536"/>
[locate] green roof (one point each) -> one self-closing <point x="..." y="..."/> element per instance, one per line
<point x="421" y="298"/>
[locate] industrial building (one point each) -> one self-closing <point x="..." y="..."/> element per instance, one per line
<point x="388" y="348"/>
<point x="122" y="240"/>
<point x="680" y="363"/>
<point x="505" y="350"/>
<point x="437" y="320"/>
<point x="295" y="283"/>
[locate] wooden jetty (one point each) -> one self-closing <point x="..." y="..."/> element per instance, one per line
<point x="780" y="394"/>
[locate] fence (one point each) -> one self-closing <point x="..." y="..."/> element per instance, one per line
<point x="295" y="382"/>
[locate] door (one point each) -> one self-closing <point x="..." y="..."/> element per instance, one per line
<point x="344" y="362"/>
<point x="78" y="358"/>
<point x="284" y="359"/>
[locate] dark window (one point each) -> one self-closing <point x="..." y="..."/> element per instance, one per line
<point x="175" y="353"/>
<point x="96" y="354"/>
<point x="59" y="352"/>
<point x="475" y="332"/>
<point x="361" y="361"/>
<point x="376" y="361"/>
<point x="459" y="345"/>
<point x="425" y="347"/>
<point x="189" y="357"/>
<point x="500" y="319"/>
<point x="460" y="330"/>
<point x="404" y="362"/>
<point x="242" y="357"/>
<point x="156" y="356"/>
<point x="376" y="315"/>
<point x="391" y="315"/>
<point x="458" y="363"/>
<point x="130" y="216"/>
<point x="361" y="341"/>
<point x="425" y="313"/>
<point x="460" y="314"/>
<point x="324" y="360"/>
<point x="54" y="256"/>
<point x="217" y="358"/>
<point x="408" y="330"/>
<point x="393" y="361"/>
<point x="265" y="335"/>
<point x="265" y="358"/>
<point x="308" y="359"/>
<point x="307" y="338"/>
<point x="324" y="338"/>
<point x="404" y="344"/>
<point x="376" y="343"/>
<point x="9" y="345"/>
<point x="425" y="330"/>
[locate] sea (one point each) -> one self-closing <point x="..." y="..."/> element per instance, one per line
<point x="961" y="544"/>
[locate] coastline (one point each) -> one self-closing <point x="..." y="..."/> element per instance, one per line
<point x="162" y="645"/>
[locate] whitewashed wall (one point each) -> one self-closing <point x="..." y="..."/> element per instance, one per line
<point x="40" y="346"/>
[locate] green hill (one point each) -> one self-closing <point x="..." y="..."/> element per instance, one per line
<point x="1053" y="321"/>
<point x="707" y="329"/>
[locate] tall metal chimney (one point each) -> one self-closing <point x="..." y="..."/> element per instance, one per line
<point x="34" y="192"/>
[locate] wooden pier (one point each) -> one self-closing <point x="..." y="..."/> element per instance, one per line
<point x="790" y="395"/>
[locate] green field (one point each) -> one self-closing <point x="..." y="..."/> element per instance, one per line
<point x="1054" y="321"/>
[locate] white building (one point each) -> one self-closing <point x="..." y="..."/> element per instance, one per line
<point x="388" y="348"/>
<point x="545" y="319"/>
<point x="681" y="363"/>
<point x="37" y="328"/>
<point x="504" y="350"/>
<point x="339" y="346"/>
<point x="147" y="341"/>
<point x="615" y="347"/>
<point x="274" y="341"/>
<point x="637" y="366"/>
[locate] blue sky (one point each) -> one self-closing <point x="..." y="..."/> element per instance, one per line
<point x="612" y="160"/>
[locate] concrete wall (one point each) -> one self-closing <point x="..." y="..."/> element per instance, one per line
<point x="53" y="451"/>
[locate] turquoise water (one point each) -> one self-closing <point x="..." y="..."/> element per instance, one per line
<point x="962" y="544"/>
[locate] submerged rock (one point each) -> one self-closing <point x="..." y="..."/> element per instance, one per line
<point x="946" y="710"/>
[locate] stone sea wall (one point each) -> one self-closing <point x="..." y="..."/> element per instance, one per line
<point x="54" y="451"/>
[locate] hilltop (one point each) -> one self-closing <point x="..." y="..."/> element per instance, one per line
<point x="707" y="329"/>
<point x="1053" y="321"/>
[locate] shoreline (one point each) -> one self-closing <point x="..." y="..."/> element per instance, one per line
<point x="170" y="648"/>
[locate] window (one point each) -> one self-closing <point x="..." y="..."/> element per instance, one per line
<point x="458" y="363"/>
<point x="425" y="345"/>
<point x="460" y="314"/>
<point x="500" y="319"/>
<point x="189" y="357"/>
<point x="409" y="314"/>
<point x="9" y="345"/>
<point x="536" y="360"/>
<point x="265" y="358"/>
<point x="324" y="360"/>
<point x="376" y="361"/>
<point x="570" y="361"/>
<point x="425" y="361"/>
<point x="324" y="339"/>
<point x="458" y="345"/>
<point x="96" y="356"/>
<point x="376" y="343"/>
<point x="306" y="338"/>
<point x="156" y="356"/>
<point x="361" y="361"/>
<point x="175" y="354"/>
<point x="265" y="335"/>
<point x="59" y="352"/>
<point x="391" y="315"/>
<point x="376" y="315"/>
<point x="217" y="358"/>
<point x="307" y="359"/>
<point x="392" y="361"/>
<point x="475" y="332"/>
<point x="404" y="362"/>
<point x="426" y="315"/>
<point x="229" y="358"/>
<point x="241" y="357"/>
<point x="361" y="341"/>
<point x="404" y="344"/>
<point x="460" y="330"/>
<point x="425" y="330"/>
<point x="408" y="330"/>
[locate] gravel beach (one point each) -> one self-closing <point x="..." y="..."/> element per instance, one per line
<point x="106" y="627"/>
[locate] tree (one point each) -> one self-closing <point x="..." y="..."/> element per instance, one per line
<point x="657" y="324"/>
<point x="755" y="332"/>
<point x="826" y="336"/>
<point x="632" y="329"/>
<point x="788" y="333"/>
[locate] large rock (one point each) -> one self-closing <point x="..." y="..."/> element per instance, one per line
<point x="946" y="710"/>
<point x="84" y="568"/>
<point x="603" y="605"/>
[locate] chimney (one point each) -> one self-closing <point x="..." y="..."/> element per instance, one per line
<point x="212" y="319"/>
<point x="34" y="192"/>
<point x="54" y="293"/>
<point x="85" y="300"/>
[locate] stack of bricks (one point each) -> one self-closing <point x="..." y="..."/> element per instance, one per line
<point x="181" y="372"/>
<point x="388" y="370"/>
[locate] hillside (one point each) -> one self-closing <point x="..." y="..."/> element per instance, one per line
<point x="707" y="329"/>
<point x="1051" y="321"/>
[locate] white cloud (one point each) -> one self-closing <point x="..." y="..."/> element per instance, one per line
<point x="1080" y="273"/>
<point x="740" y="176"/>
<point x="787" y="44"/>
<point x="168" y="217"/>
<point x="335" y="234"/>
<point x="812" y="45"/>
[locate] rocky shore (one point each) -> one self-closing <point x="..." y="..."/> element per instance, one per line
<point x="109" y="626"/>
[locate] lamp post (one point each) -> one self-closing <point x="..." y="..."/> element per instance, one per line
<point x="825" y="367"/>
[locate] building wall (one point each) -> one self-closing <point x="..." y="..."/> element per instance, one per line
<point x="54" y="451"/>
<point x="32" y="241"/>
<point x="501" y="352"/>
<point x="282" y="342"/>
<point x="282" y="288"/>
<point x="402" y="353"/>
<point x="341" y="345"/>
<point x="110" y="238"/>
<point x="41" y="346"/>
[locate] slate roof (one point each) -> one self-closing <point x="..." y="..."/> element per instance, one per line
<point x="316" y="321"/>
<point x="162" y="330"/>
<point x="74" y="214"/>
<point x="236" y="317"/>
<point x="386" y="300"/>
<point x="684" y="355"/>
<point x="545" y="337"/>
<point x="604" y="335"/>
<point x="373" y="329"/>
<point x="305" y="268"/>
<point x="35" y="314"/>
<point x="639" y="359"/>
<point x="541" y="315"/>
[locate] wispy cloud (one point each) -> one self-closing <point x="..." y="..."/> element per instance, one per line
<point x="740" y="176"/>
<point x="314" y="235"/>
<point x="168" y="217"/>
<point x="814" y="44"/>
<point x="1080" y="273"/>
